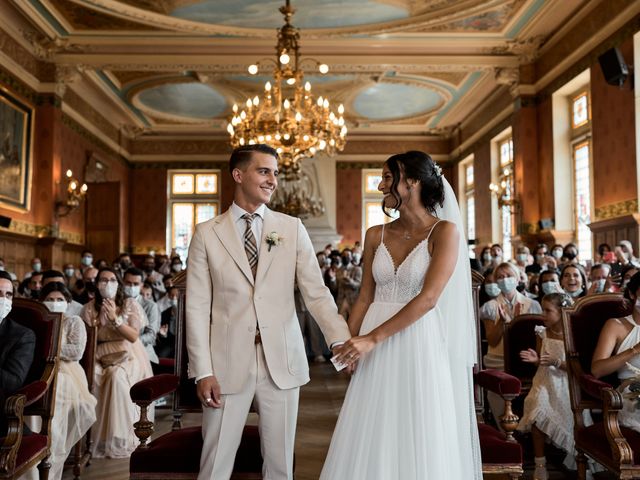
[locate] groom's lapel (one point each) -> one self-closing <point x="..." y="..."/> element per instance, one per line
<point x="225" y="229"/>
<point x="266" y="256"/>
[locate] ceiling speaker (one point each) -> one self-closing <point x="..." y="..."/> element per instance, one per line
<point x="613" y="67"/>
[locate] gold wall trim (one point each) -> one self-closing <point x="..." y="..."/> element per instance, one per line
<point x="40" y="231"/>
<point x="618" y="209"/>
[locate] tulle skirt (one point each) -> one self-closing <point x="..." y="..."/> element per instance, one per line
<point x="398" y="420"/>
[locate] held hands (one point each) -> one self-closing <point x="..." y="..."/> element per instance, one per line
<point x="208" y="391"/>
<point x="354" y="348"/>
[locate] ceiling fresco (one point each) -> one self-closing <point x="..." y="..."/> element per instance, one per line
<point x="414" y="66"/>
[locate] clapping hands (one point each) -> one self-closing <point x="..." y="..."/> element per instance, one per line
<point x="544" y="360"/>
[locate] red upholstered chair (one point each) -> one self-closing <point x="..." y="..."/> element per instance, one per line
<point x="519" y="334"/>
<point x="610" y="444"/>
<point x="501" y="453"/>
<point x="18" y="452"/>
<point x="80" y="456"/>
<point x="176" y="455"/>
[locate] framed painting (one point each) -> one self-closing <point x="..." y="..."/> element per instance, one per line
<point x="16" y="128"/>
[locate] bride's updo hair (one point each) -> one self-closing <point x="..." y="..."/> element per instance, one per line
<point x="419" y="166"/>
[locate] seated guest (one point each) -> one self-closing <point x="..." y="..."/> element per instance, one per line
<point x="556" y="252"/>
<point x="573" y="280"/>
<point x="549" y="282"/>
<point x="627" y="251"/>
<point x="87" y="292"/>
<point x="522" y="257"/>
<point x="123" y="264"/>
<point x="147" y="291"/>
<point x="152" y="277"/>
<point x="17" y="348"/>
<point x="495" y="314"/>
<point x="489" y="289"/>
<point x="570" y="255"/>
<point x="86" y="260"/>
<point x="70" y="275"/>
<point x="30" y="286"/>
<point x="121" y="361"/>
<point x="542" y="260"/>
<point x="74" y="308"/>
<point x="626" y="274"/>
<point x="176" y="265"/>
<point x="604" y="250"/>
<point x="617" y="348"/>
<point x="167" y="281"/>
<point x="169" y="300"/>
<point x="600" y="279"/>
<point x="486" y="260"/>
<point x="496" y="255"/>
<point x="75" y="410"/>
<point x="132" y="286"/>
<point x="166" y="341"/>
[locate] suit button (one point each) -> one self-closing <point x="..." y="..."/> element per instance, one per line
<point x="251" y="329"/>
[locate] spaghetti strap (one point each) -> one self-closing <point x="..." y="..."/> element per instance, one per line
<point x="431" y="231"/>
<point x="382" y="235"/>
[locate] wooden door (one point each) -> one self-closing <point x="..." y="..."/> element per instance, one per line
<point x="102" y="220"/>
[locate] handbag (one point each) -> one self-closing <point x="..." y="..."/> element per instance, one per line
<point x="114" y="358"/>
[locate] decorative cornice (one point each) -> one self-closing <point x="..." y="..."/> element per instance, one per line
<point x="527" y="50"/>
<point x="613" y="210"/>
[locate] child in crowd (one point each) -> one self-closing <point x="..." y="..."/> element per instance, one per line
<point x="547" y="408"/>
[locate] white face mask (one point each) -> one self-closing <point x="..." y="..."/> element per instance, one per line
<point x="575" y="294"/>
<point x="69" y="272"/>
<point x="86" y="260"/>
<point x="492" y="289"/>
<point x="132" y="291"/>
<point x="5" y="307"/>
<point x="522" y="257"/>
<point x="551" y="287"/>
<point x="173" y="301"/>
<point x="109" y="290"/>
<point x="507" y="284"/>
<point x="37" y="267"/>
<point x="600" y="285"/>
<point x="56" y="306"/>
<point x="356" y="258"/>
<point x="176" y="267"/>
<point x="557" y="254"/>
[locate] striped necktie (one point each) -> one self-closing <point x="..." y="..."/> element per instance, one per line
<point x="250" y="246"/>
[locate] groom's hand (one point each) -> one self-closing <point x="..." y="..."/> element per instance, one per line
<point x="208" y="390"/>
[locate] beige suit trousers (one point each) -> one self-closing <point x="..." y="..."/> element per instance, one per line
<point x="277" y="416"/>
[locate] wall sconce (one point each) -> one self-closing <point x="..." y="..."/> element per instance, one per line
<point x="503" y="191"/>
<point x="75" y="194"/>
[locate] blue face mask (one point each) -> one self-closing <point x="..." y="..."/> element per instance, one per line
<point x="508" y="284"/>
<point x="492" y="289"/>
<point x="575" y="294"/>
<point x="551" y="287"/>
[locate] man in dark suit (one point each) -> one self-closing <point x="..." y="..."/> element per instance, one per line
<point x="17" y="347"/>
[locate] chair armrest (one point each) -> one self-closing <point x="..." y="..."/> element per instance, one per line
<point x="33" y="391"/>
<point x="594" y="387"/>
<point x="497" y="381"/>
<point x="150" y="389"/>
<point x="13" y="409"/>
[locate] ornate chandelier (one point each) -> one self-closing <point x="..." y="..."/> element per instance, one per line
<point x="289" y="118"/>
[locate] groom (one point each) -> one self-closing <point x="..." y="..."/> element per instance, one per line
<point x="243" y="335"/>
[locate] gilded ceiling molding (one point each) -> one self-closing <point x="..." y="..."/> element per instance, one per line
<point x="20" y="55"/>
<point x="527" y="50"/>
<point x="67" y="75"/>
<point x="45" y="48"/>
<point x="509" y="77"/>
<point x="449" y="14"/>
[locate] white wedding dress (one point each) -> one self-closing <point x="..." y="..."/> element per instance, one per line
<point x="399" y="417"/>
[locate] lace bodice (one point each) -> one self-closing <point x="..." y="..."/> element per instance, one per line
<point x="399" y="284"/>
<point x="74" y="338"/>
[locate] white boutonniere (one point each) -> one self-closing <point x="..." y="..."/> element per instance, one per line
<point x="273" y="240"/>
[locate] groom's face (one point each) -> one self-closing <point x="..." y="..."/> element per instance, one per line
<point x="258" y="179"/>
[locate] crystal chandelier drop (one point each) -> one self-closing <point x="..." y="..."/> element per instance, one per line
<point x="289" y="118"/>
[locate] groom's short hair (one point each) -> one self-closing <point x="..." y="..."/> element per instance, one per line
<point x="242" y="155"/>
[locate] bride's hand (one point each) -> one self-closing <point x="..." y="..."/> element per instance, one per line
<point x="351" y="351"/>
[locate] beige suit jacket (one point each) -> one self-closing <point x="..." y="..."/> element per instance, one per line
<point x="224" y="303"/>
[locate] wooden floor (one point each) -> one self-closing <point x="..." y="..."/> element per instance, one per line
<point x="320" y="402"/>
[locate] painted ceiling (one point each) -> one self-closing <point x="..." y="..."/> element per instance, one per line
<point x="414" y="65"/>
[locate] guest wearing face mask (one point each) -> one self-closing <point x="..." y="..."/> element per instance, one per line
<point x="152" y="277"/>
<point x="169" y="300"/>
<point x="36" y="265"/>
<point x="573" y="280"/>
<point x="75" y="406"/>
<point x="70" y="275"/>
<point x="73" y="307"/>
<point x="86" y="260"/>
<point x="30" y="287"/>
<point x="627" y="250"/>
<point x="522" y="257"/>
<point x="132" y="287"/>
<point x="556" y="252"/>
<point x="85" y="290"/>
<point x="176" y="265"/>
<point x="496" y="254"/>
<point x="489" y="289"/>
<point x="121" y="362"/>
<point x="495" y="314"/>
<point x="549" y="282"/>
<point x="123" y="264"/>
<point x="17" y="348"/>
<point x="600" y="278"/>
<point x="486" y="260"/>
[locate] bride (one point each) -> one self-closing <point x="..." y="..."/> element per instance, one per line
<point x="409" y="413"/>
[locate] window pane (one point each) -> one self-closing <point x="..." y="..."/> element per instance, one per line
<point x="374" y="215"/>
<point x="583" y="199"/>
<point x="580" y="110"/>
<point x="469" y="176"/>
<point x="506" y="152"/>
<point x="182" y="183"/>
<point x="205" y="211"/>
<point x="206" y="183"/>
<point x="182" y="227"/>
<point x="471" y="218"/>
<point x="371" y="182"/>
